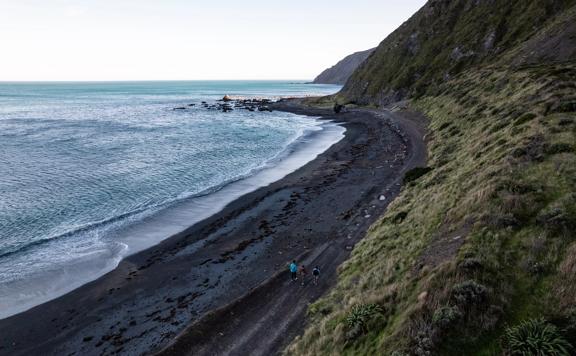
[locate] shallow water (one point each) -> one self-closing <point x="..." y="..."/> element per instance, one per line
<point x="91" y="172"/>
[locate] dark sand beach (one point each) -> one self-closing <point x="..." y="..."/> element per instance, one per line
<point x="222" y="287"/>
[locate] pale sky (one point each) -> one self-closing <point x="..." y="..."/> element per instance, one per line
<point x="188" y="40"/>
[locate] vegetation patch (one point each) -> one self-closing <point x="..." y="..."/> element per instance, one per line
<point x="446" y="317"/>
<point x="415" y="173"/>
<point x="359" y="318"/>
<point x="524" y="119"/>
<point x="501" y="141"/>
<point x="516" y="202"/>
<point x="535" y="337"/>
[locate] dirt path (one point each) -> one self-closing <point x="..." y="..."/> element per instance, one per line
<point x="265" y="320"/>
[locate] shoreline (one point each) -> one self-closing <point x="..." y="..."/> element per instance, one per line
<point x="183" y="214"/>
<point x="153" y="295"/>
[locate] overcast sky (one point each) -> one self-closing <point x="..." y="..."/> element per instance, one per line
<point x="188" y="40"/>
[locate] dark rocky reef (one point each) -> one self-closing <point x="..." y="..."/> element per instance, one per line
<point x="227" y="104"/>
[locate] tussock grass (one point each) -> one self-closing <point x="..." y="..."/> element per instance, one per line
<point x="535" y="337"/>
<point x="483" y="240"/>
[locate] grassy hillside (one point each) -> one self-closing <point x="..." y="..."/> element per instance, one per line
<point x="446" y="37"/>
<point x="477" y="255"/>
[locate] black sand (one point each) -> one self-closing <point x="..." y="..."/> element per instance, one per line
<point x="222" y="286"/>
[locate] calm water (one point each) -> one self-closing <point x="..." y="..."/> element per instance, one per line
<point x="88" y="171"/>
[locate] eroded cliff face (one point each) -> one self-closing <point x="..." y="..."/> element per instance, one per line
<point x="341" y="71"/>
<point x="447" y="37"/>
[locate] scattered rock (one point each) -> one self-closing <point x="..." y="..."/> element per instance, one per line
<point x="422" y="297"/>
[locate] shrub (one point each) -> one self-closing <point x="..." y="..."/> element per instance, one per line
<point x="471" y="264"/>
<point x="569" y="329"/>
<point x="559" y="148"/>
<point x="566" y="121"/>
<point x="446" y="316"/>
<point x="564" y="106"/>
<point x="359" y="317"/>
<point x="415" y="173"/>
<point x="535" y="337"/>
<point x="400" y="217"/>
<point x="469" y="293"/>
<point x="560" y="217"/>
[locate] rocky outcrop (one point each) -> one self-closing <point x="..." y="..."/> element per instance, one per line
<point x="341" y="71"/>
<point x="227" y="104"/>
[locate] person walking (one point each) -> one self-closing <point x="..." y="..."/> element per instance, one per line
<point x="293" y="271"/>
<point x="316" y="274"/>
<point x="303" y="273"/>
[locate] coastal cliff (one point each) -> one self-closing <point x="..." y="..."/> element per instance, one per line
<point x="446" y="37"/>
<point x="341" y="71"/>
<point x="477" y="254"/>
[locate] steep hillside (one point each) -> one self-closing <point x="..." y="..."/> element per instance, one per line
<point x="477" y="256"/>
<point x="341" y="71"/>
<point x="447" y="36"/>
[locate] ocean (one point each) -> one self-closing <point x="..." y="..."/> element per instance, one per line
<point x="93" y="172"/>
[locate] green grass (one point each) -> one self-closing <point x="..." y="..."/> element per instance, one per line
<point x="483" y="240"/>
<point x="503" y="177"/>
<point x="441" y="41"/>
<point x="535" y="337"/>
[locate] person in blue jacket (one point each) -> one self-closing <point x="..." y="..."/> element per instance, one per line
<point x="294" y="271"/>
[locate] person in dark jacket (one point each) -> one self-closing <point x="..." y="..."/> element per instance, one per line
<point x="316" y="274"/>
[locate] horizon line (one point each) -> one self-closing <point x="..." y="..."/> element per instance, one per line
<point x="297" y="81"/>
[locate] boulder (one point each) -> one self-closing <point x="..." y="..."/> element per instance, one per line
<point x="338" y="108"/>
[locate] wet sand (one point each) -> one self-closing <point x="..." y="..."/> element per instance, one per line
<point x="221" y="286"/>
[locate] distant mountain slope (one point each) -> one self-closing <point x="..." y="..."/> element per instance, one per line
<point x="446" y="37"/>
<point x="341" y="71"/>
